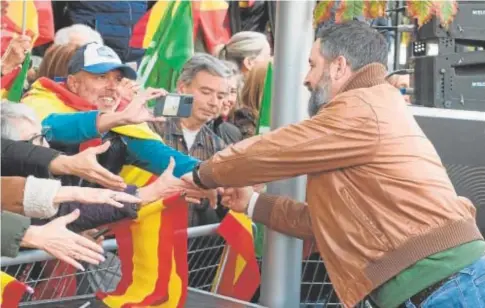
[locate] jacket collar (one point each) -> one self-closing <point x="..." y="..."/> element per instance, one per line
<point x="368" y="76"/>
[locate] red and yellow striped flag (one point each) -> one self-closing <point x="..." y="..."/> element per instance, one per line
<point x="12" y="291"/>
<point x="153" y="254"/>
<point x="211" y="17"/>
<point x="238" y="272"/>
<point x="39" y="22"/>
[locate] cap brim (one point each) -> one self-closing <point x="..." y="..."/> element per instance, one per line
<point x="103" y="68"/>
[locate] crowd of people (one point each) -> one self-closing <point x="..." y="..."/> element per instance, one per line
<point x="73" y="107"/>
<point x="381" y="207"/>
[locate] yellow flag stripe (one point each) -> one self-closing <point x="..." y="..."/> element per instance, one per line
<point x="145" y="269"/>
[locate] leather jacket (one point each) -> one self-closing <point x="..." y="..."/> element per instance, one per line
<point x="378" y="197"/>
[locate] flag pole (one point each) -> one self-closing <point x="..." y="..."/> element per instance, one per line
<point x="24" y="16"/>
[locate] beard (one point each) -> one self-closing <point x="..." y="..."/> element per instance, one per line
<point x="320" y="96"/>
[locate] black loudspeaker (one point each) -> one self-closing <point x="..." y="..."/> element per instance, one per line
<point x="459" y="138"/>
<point x="467" y="28"/>
<point x="454" y="81"/>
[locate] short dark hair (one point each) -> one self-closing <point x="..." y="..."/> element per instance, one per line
<point x="201" y="62"/>
<point x="356" y="41"/>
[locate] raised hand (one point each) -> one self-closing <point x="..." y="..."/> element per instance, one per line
<point x="128" y="89"/>
<point x="15" y="53"/>
<point x="237" y="199"/>
<point x="137" y="112"/>
<point x="166" y="185"/>
<point x="86" y="166"/>
<point x="63" y="244"/>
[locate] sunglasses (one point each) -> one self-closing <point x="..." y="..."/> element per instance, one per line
<point x="43" y="138"/>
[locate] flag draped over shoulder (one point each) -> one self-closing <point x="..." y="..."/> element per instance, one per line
<point x="238" y="272"/>
<point x="209" y="17"/>
<point x="153" y="254"/>
<point x="172" y="45"/>
<point x="12" y="291"/>
<point x="39" y="22"/>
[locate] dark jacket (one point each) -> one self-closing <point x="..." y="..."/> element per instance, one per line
<point x="13" y="228"/>
<point x="93" y="215"/>
<point x="113" y="19"/>
<point x="20" y="158"/>
<point x="246" y="122"/>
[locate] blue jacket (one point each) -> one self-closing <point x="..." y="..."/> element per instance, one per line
<point x="151" y="155"/>
<point x="113" y="19"/>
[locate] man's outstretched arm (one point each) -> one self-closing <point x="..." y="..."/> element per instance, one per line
<point x="154" y="156"/>
<point x="279" y="213"/>
<point x="332" y="139"/>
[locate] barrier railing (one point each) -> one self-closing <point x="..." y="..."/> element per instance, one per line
<point x="53" y="281"/>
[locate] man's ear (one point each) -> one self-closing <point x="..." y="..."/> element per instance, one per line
<point x="72" y="84"/>
<point x="181" y="87"/>
<point x="339" y="68"/>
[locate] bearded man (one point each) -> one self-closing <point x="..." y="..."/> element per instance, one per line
<point x="381" y="207"/>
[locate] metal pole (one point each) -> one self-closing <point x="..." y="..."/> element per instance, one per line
<point x="282" y="257"/>
<point x="397" y="37"/>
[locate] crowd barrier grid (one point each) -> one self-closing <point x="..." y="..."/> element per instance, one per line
<point x="204" y="253"/>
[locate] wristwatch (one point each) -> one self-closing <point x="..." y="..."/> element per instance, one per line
<point x="196" y="178"/>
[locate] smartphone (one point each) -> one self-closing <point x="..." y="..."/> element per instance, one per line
<point x="174" y="105"/>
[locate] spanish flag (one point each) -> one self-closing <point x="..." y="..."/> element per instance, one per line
<point x="238" y="272"/>
<point x="153" y="254"/>
<point x="210" y="17"/>
<point x="39" y="21"/>
<point x="12" y="291"/>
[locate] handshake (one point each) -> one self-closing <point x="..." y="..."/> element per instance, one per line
<point x="236" y="199"/>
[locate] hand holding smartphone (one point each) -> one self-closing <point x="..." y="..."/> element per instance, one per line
<point x="174" y="105"/>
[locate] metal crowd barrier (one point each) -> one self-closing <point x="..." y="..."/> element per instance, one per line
<point x="57" y="285"/>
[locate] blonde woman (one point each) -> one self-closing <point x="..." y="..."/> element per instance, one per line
<point x="247" y="49"/>
<point x="247" y="116"/>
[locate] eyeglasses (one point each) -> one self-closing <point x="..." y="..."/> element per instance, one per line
<point x="43" y="138"/>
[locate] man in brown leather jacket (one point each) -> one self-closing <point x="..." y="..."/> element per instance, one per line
<point x="381" y="208"/>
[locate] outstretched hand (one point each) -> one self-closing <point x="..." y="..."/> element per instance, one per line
<point x="85" y="165"/>
<point x="63" y="244"/>
<point x="197" y="192"/>
<point x="137" y="111"/>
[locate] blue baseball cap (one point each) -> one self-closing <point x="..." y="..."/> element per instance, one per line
<point x="98" y="59"/>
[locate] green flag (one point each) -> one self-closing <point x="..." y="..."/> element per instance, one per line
<point x="264" y="126"/>
<point x="172" y="45"/>
<point x="16" y="90"/>
<point x="264" y="123"/>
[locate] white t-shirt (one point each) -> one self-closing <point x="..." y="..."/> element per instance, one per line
<point x="189" y="136"/>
